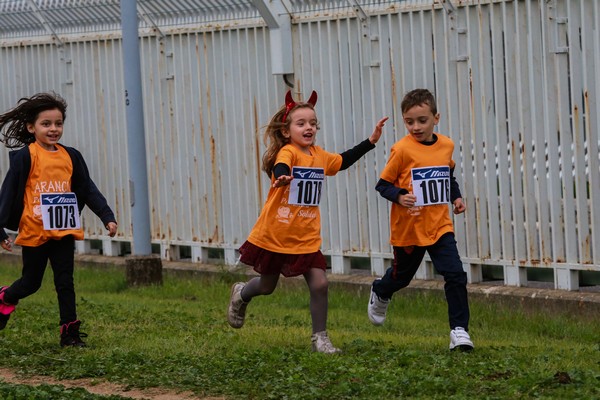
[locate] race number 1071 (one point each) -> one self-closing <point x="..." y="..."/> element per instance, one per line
<point x="309" y="192"/>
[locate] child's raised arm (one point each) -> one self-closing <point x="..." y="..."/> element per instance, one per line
<point x="378" y="130"/>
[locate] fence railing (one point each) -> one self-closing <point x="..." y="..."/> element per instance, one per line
<point x="517" y="87"/>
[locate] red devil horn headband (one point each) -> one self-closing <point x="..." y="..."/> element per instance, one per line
<point x="290" y="103"/>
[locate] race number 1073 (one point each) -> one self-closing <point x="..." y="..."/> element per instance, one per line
<point x="60" y="211"/>
<point x="61" y="217"/>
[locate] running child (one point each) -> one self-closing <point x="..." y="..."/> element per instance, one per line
<point x="287" y="236"/>
<point x="419" y="181"/>
<point x="45" y="189"/>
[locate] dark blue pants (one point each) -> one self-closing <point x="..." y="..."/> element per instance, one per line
<point x="446" y="261"/>
<point x="61" y="254"/>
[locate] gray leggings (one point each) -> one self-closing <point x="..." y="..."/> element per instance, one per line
<point x="316" y="280"/>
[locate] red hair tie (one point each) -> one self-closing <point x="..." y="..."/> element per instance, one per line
<point x="290" y="103"/>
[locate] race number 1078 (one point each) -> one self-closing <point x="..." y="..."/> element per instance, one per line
<point x="435" y="191"/>
<point x="431" y="185"/>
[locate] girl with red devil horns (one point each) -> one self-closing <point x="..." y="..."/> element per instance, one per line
<point x="287" y="236"/>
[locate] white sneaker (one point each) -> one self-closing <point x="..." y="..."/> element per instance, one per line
<point x="459" y="338"/>
<point x="322" y="344"/>
<point x="236" y="312"/>
<point x="377" y="308"/>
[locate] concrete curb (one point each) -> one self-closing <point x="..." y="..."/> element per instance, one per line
<point x="527" y="298"/>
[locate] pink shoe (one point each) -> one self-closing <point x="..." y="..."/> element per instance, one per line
<point x="5" y="308"/>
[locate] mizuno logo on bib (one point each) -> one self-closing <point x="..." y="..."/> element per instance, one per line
<point x="60" y="211"/>
<point x="431" y="185"/>
<point x="306" y="187"/>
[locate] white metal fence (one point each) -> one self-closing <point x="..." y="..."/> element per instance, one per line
<point x="517" y="84"/>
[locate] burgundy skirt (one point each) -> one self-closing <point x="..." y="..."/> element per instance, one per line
<point x="267" y="262"/>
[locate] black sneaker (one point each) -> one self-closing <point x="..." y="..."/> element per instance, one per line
<point x="71" y="336"/>
<point x="3" y="320"/>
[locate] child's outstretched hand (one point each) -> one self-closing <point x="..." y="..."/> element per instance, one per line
<point x="459" y="206"/>
<point x="6" y="244"/>
<point x="112" y="228"/>
<point x="407" y="200"/>
<point x="378" y="130"/>
<point x="282" y="181"/>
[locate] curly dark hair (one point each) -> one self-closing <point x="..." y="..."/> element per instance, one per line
<point x="13" y="123"/>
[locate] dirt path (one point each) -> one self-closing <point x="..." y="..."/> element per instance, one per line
<point x="100" y="387"/>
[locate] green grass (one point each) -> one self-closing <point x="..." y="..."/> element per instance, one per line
<point x="176" y="336"/>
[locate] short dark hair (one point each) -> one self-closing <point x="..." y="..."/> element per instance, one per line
<point x="418" y="97"/>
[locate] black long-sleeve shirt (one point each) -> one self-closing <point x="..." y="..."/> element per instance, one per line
<point x="349" y="157"/>
<point x="387" y="190"/>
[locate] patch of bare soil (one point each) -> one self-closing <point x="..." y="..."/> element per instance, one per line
<point x="101" y="387"/>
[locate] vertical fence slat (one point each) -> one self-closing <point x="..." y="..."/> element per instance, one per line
<point x="536" y="117"/>
<point x="477" y="31"/>
<point x="577" y="68"/>
<point x="592" y="41"/>
<point x="516" y="84"/>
